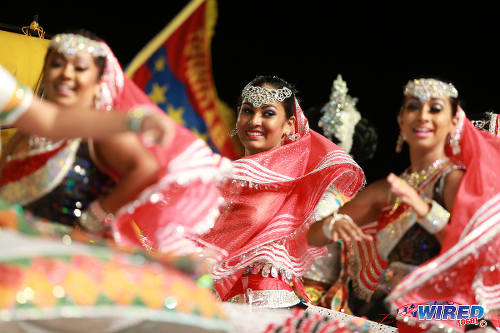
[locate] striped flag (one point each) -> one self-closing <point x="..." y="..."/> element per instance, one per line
<point x="175" y="71"/>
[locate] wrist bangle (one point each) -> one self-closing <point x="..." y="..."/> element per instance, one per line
<point x="344" y="216"/>
<point x="328" y="228"/>
<point x="436" y="219"/>
<point x="134" y="120"/>
<point x="95" y="218"/>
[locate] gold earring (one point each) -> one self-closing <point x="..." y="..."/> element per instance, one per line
<point x="400" y="142"/>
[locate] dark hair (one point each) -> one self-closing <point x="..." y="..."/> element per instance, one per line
<point x="99" y="61"/>
<point x="277" y="83"/>
<point x="454" y="101"/>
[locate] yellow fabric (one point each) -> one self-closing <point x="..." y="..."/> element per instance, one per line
<point x="23" y="57"/>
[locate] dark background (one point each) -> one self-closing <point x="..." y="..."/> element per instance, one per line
<point x="376" y="46"/>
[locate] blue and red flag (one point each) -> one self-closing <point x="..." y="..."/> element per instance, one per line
<point x="175" y="71"/>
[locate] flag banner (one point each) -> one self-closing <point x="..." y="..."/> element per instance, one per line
<point x="175" y="71"/>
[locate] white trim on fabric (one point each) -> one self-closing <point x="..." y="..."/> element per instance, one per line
<point x="244" y="163"/>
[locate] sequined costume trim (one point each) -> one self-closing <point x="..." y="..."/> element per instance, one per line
<point x="267" y="298"/>
<point x="326" y="269"/>
<point x="43" y="180"/>
<point x="389" y="237"/>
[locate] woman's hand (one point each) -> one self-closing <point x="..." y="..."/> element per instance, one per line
<point x="346" y="230"/>
<point x="408" y="195"/>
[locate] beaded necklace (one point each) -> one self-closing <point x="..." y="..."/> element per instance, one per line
<point x="418" y="178"/>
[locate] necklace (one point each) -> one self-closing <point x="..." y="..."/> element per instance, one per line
<point x="418" y="178"/>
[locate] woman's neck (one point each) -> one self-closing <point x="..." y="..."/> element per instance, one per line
<point x="421" y="159"/>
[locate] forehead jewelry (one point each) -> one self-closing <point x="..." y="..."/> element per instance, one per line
<point x="71" y="45"/>
<point x="258" y="95"/>
<point x="424" y="89"/>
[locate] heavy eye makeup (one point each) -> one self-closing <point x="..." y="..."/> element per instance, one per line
<point x="413" y="105"/>
<point x="436" y="108"/>
<point x="266" y="112"/>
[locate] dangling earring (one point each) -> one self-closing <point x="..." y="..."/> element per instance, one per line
<point x="97" y="100"/>
<point x="456" y="135"/>
<point x="233" y="132"/>
<point x="400" y="142"/>
<point x="454" y="142"/>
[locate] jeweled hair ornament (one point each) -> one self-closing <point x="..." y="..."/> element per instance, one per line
<point x="71" y="45"/>
<point x="258" y="96"/>
<point x="425" y="89"/>
<point x="340" y="115"/>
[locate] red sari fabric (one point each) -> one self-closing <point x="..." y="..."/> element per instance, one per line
<point x="185" y="200"/>
<point x="270" y="204"/>
<point x="467" y="271"/>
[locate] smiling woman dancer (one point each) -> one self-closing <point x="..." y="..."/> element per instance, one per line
<point x="85" y="183"/>
<point x="412" y="211"/>
<point x="289" y="178"/>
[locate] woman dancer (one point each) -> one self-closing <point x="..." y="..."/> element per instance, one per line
<point x="413" y="211"/>
<point x="289" y="178"/>
<point x="85" y="183"/>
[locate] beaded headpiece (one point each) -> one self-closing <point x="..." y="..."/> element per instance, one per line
<point x="259" y="95"/>
<point x="424" y="89"/>
<point x="71" y="45"/>
<point x="340" y="115"/>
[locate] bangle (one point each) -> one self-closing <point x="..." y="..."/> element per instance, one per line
<point x="344" y="216"/>
<point x="436" y="219"/>
<point x="95" y="218"/>
<point x="134" y="120"/>
<point x="328" y="227"/>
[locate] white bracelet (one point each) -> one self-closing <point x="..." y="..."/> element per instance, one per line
<point x="344" y="216"/>
<point x="436" y="219"/>
<point x="328" y="228"/>
<point x="99" y="212"/>
<point x="95" y="218"/>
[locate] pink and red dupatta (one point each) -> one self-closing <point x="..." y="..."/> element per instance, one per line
<point x="185" y="200"/>
<point x="270" y="204"/>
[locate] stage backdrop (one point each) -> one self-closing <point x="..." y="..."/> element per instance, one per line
<point x="175" y="70"/>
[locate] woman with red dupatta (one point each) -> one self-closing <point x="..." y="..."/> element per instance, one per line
<point x="289" y="178"/>
<point x="414" y="238"/>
